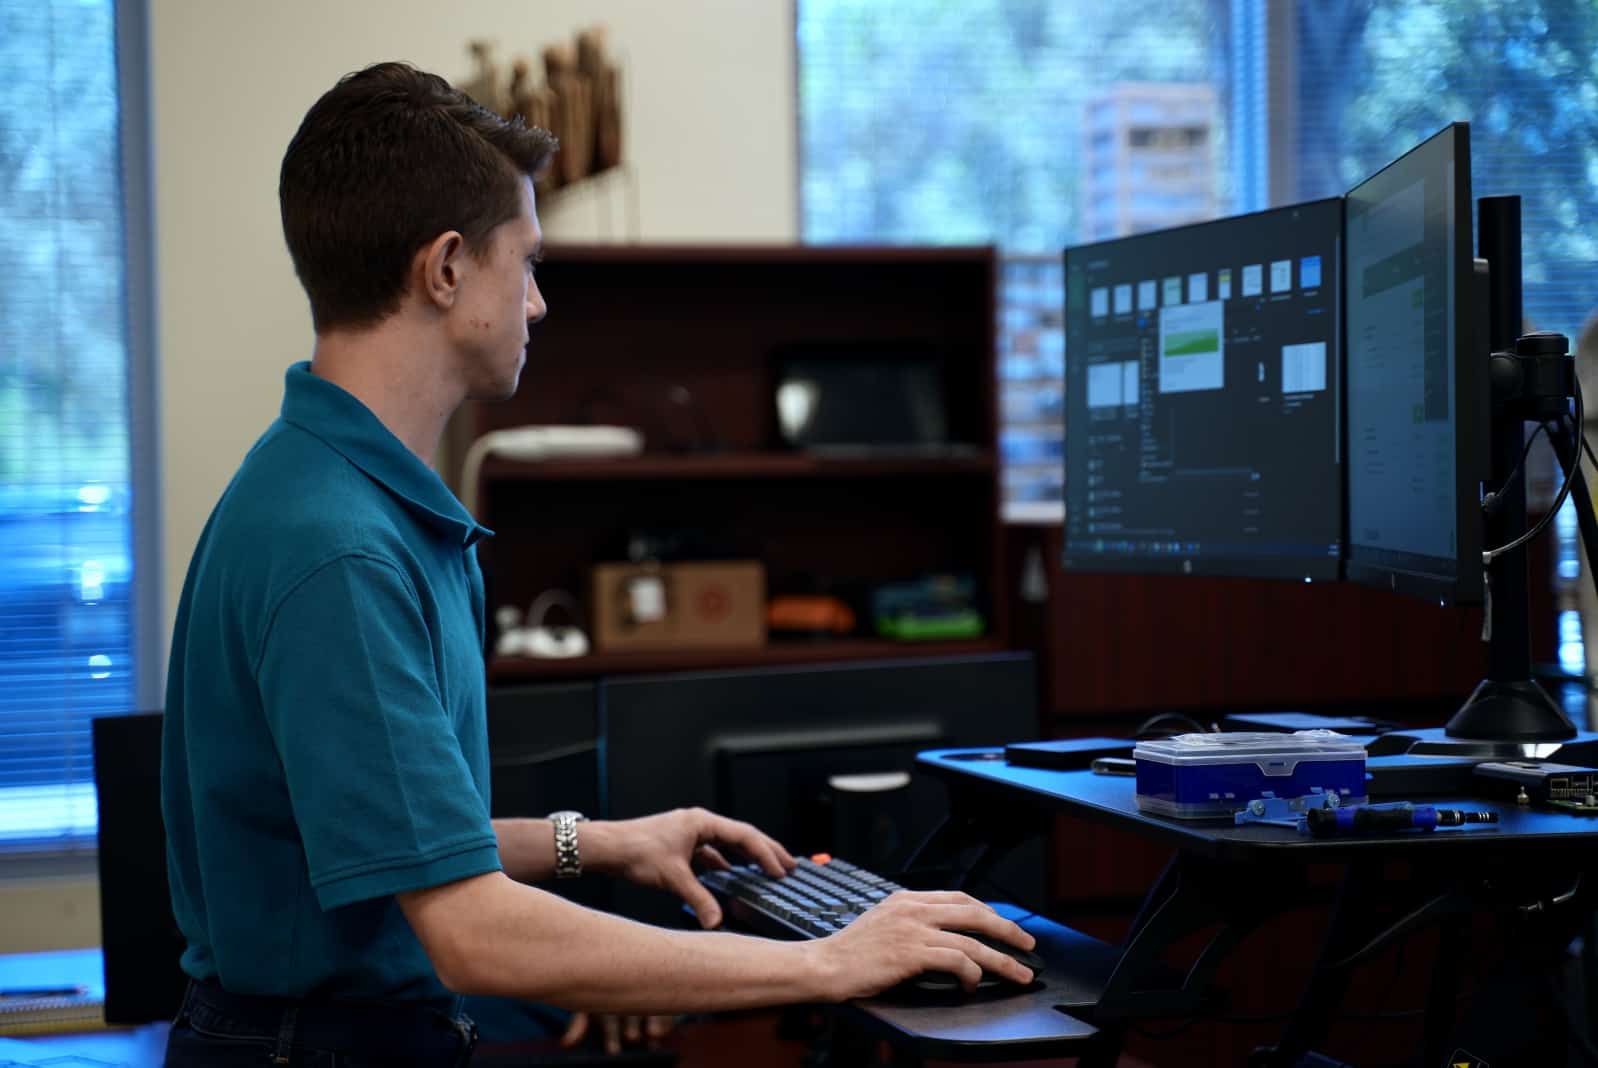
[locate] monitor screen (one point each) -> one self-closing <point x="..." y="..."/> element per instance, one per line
<point x="1417" y="376"/>
<point x="1203" y="398"/>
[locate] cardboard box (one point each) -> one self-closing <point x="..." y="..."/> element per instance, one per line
<point x="717" y="604"/>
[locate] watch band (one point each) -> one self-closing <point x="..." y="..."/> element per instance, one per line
<point x="568" y="858"/>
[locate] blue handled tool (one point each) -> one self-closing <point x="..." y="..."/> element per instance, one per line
<point x="1375" y="819"/>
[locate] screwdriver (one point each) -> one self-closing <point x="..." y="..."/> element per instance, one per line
<point x="1325" y="822"/>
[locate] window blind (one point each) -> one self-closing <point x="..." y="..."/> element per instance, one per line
<point x="66" y="530"/>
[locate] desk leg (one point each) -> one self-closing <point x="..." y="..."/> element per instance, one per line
<point x="1589" y="974"/>
<point x="1106" y="1053"/>
<point x="1192" y="895"/>
<point x="977" y="834"/>
<point x="1309" y="1024"/>
<point x="1442" y="1000"/>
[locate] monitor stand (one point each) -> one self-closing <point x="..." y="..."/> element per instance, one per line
<point x="1581" y="749"/>
<point x="1510" y="716"/>
<point x="1531" y="379"/>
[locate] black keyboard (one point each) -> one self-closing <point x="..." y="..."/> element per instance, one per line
<point x="816" y="900"/>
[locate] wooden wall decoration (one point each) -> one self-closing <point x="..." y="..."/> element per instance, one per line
<point x="578" y="100"/>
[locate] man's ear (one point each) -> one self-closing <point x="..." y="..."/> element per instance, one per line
<point x="440" y="265"/>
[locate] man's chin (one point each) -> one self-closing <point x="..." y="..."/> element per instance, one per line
<point x="500" y="389"/>
<point x="501" y="392"/>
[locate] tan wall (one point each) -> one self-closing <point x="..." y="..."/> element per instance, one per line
<point x="49" y="912"/>
<point x="710" y="133"/>
<point x="709" y="137"/>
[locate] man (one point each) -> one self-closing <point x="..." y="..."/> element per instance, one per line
<point x="333" y="866"/>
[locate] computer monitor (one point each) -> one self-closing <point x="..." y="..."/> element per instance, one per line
<point x="1428" y="436"/>
<point x="1203" y="426"/>
<point x="821" y="757"/>
<point x="1418" y="421"/>
<point x="144" y="981"/>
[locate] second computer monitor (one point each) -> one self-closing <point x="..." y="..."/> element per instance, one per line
<point x="1417" y="376"/>
<point x="1203" y="398"/>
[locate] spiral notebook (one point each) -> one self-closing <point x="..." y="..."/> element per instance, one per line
<point x="51" y="993"/>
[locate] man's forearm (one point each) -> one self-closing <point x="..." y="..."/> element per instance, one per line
<point x="515" y="941"/>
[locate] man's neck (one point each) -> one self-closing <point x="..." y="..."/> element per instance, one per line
<point x="398" y="376"/>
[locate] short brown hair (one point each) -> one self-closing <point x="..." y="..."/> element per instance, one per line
<point x="383" y="163"/>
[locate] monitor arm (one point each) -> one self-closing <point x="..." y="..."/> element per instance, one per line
<point x="1532" y="382"/>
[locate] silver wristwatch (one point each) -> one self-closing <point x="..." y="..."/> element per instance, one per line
<point x="568" y="860"/>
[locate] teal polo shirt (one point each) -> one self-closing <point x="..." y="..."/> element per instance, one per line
<point x="326" y="726"/>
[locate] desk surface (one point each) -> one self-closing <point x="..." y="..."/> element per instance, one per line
<point x="1110" y="798"/>
<point x="140" y="1047"/>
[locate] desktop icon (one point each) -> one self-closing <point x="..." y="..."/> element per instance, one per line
<point x="1309" y="272"/>
<point x="1253" y="279"/>
<point x="1123" y="298"/>
<point x="1281" y="276"/>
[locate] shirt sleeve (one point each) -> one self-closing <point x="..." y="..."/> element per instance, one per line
<point x="381" y="793"/>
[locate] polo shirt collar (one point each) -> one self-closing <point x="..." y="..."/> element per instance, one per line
<point x="340" y="420"/>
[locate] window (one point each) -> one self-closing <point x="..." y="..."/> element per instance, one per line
<point x="1034" y="125"/>
<point x="1377" y="76"/>
<point x="74" y="406"/>
<point x="1023" y="123"/>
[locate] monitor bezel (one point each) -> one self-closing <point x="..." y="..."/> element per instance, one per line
<point x="1413" y="574"/>
<point x="1291" y="568"/>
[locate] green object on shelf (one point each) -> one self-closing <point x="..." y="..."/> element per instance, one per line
<point x="945" y="627"/>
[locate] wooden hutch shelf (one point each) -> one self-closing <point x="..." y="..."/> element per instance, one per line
<point x="681" y="343"/>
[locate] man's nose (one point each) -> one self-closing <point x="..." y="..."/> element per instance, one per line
<point x="536" y="308"/>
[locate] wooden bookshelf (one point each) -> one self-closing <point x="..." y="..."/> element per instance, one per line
<point x="736" y="466"/>
<point x="533" y="669"/>
<point x="679" y="342"/>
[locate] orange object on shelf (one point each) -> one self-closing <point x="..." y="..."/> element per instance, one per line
<point x="805" y="613"/>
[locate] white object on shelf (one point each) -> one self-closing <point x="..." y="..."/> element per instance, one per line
<point x="546" y="443"/>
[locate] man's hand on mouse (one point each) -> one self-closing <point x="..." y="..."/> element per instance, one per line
<point x="912" y="932"/>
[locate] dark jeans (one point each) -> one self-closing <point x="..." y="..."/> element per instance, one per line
<point x="216" y="1029"/>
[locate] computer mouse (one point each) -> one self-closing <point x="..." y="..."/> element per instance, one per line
<point x="948" y="981"/>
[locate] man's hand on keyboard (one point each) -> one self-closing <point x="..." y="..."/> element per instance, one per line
<point x="661" y="851"/>
<point x="914" y="931"/>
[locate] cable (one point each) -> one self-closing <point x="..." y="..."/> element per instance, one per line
<point x="1162" y="717"/>
<point x="1564" y="491"/>
<point x="1491" y="502"/>
<point x="1402" y="926"/>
